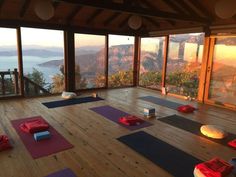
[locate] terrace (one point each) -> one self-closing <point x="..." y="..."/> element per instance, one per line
<point x="125" y="51"/>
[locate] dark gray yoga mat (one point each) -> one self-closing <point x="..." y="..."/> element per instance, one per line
<point x="61" y="103"/>
<point x="162" y="102"/>
<point x="193" y="127"/>
<point x="173" y="160"/>
<point x="114" y="114"/>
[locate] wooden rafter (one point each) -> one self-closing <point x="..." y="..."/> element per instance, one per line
<point x="1" y="3"/>
<point x="55" y="4"/>
<point x="94" y="15"/>
<point x="73" y="13"/>
<point x="152" y="21"/>
<point x="150" y="6"/>
<point x="138" y="10"/>
<point x="171" y="22"/>
<point x="111" y="18"/>
<point x="124" y="22"/>
<point x="185" y="6"/>
<point x="175" y="7"/>
<point x="24" y="7"/>
<point x="201" y="8"/>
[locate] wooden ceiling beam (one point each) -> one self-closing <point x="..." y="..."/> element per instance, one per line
<point x="152" y="21"/>
<point x="185" y="6"/>
<point x="55" y="4"/>
<point x="201" y="8"/>
<point x="24" y="7"/>
<point x="74" y="12"/>
<point x="1" y="4"/>
<point x="124" y="22"/>
<point x="175" y="7"/>
<point x="111" y="18"/>
<point x="76" y="28"/>
<point x="94" y="15"/>
<point x="150" y="6"/>
<point x="137" y="10"/>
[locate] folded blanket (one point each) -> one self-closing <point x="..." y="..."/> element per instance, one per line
<point x="214" y="168"/>
<point x="186" y="109"/>
<point x="232" y="143"/>
<point x="4" y="143"/>
<point x="34" y="126"/>
<point x="130" y="120"/>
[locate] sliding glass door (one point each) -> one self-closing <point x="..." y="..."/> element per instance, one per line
<point x="222" y="77"/>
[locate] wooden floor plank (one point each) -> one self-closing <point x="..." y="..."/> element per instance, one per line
<point x="96" y="151"/>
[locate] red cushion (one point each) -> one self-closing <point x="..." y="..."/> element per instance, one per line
<point x="232" y="143"/>
<point x="186" y="109"/>
<point x="130" y="120"/>
<point x="33" y="126"/>
<point x="4" y="143"/>
<point x="215" y="168"/>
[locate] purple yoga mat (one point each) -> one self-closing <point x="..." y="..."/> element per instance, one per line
<point x="42" y="148"/>
<point x="114" y="114"/>
<point x="63" y="173"/>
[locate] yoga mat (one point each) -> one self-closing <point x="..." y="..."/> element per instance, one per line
<point x="42" y="148"/>
<point x="60" y="103"/>
<point x="193" y="127"/>
<point x="114" y="114"/>
<point x="162" y="102"/>
<point x="176" y="162"/>
<point x="63" y="173"/>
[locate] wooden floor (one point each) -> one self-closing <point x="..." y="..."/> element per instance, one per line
<point x="96" y="151"/>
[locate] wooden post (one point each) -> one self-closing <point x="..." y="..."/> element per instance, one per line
<point x="136" y="61"/>
<point x="16" y="81"/>
<point x="107" y="61"/>
<point x="20" y="62"/>
<point x="204" y="65"/>
<point x="69" y="54"/>
<point x="166" y="49"/>
<point x="3" y="84"/>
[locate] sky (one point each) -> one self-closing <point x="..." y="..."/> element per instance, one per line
<point x="45" y="37"/>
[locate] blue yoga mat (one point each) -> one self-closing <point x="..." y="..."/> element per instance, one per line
<point x="60" y="103"/>
<point x="194" y="128"/>
<point x="175" y="161"/>
<point x="162" y="102"/>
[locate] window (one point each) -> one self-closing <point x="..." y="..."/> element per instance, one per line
<point x="223" y="75"/>
<point x="9" y="80"/>
<point x="43" y="61"/>
<point x="151" y="62"/>
<point x="120" y="61"/>
<point x="90" y="61"/>
<point x="184" y="64"/>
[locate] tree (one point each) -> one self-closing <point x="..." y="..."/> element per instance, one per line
<point x="81" y="83"/>
<point x="37" y="77"/>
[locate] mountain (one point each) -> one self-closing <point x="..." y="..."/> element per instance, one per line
<point x="33" y="52"/>
<point x="52" y="63"/>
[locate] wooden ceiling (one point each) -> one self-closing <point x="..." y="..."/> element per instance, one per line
<point x="111" y="16"/>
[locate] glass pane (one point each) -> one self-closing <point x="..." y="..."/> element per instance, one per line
<point x="184" y="64"/>
<point x="151" y="62"/>
<point x="223" y="76"/>
<point x="9" y="80"/>
<point x="120" y="64"/>
<point x="43" y="61"/>
<point x="90" y="61"/>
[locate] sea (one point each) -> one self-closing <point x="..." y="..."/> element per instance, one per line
<point x="30" y="62"/>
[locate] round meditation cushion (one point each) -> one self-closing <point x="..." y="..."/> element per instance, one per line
<point x="198" y="173"/>
<point x="68" y="95"/>
<point x="213" y="131"/>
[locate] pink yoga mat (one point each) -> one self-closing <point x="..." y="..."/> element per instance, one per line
<point x="41" y="148"/>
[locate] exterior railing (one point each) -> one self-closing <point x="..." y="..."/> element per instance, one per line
<point x="10" y="85"/>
